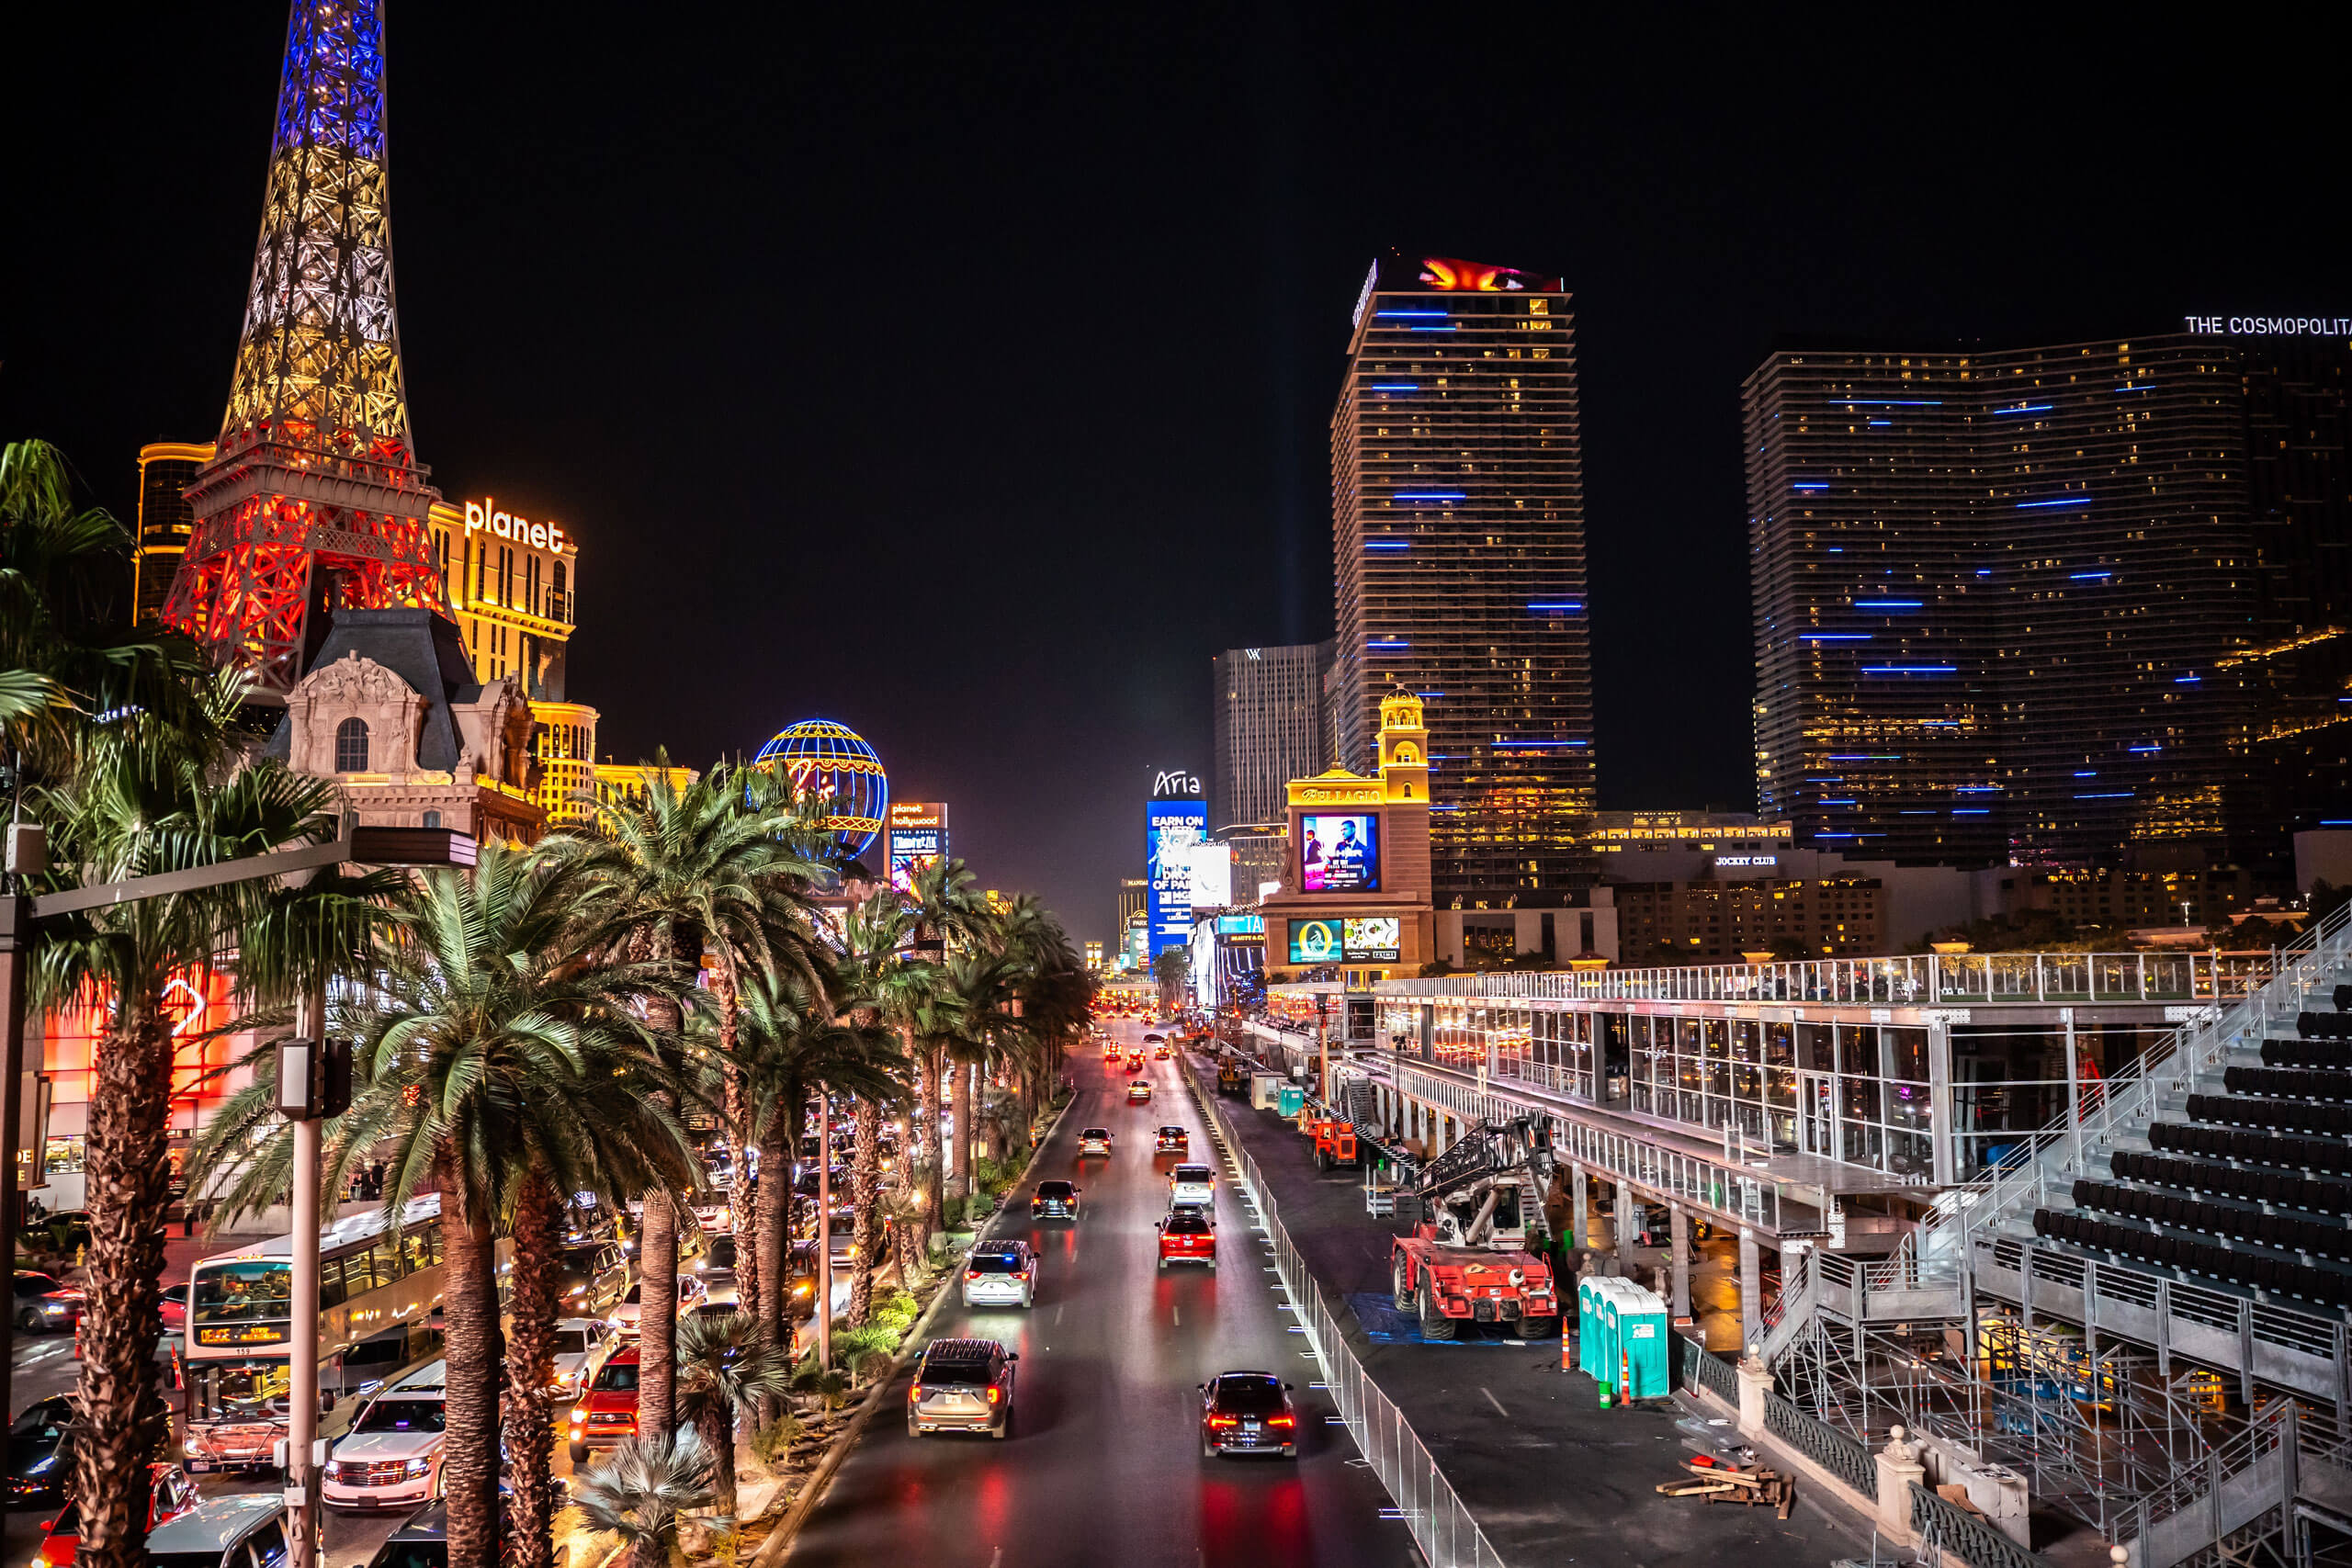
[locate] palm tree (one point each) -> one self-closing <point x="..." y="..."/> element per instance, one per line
<point x="985" y="1023"/>
<point x="707" y="868"/>
<point x="950" y="913"/>
<point x="642" y="1489"/>
<point x="503" y="1070"/>
<point x="883" y="986"/>
<point x="728" y="1365"/>
<point x="148" y="796"/>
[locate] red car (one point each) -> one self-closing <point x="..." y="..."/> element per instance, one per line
<point x="1135" y="1060"/>
<point x="173" y="1494"/>
<point x="607" y="1412"/>
<point x="1186" y="1236"/>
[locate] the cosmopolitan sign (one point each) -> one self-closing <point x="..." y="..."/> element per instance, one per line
<point x="2271" y="326"/>
<point x="482" y="517"/>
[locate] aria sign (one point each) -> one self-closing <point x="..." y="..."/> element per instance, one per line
<point x="2271" y="326"/>
<point x="1176" y="782"/>
<point x="479" y="517"/>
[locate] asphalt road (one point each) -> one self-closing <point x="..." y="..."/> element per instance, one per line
<point x="1105" y="1464"/>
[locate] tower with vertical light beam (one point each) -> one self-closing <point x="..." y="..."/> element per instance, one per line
<point x="314" y="500"/>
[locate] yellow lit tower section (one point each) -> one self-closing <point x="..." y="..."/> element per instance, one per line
<point x="513" y="583"/>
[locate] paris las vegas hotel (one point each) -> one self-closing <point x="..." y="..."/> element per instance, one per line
<point x="513" y="585"/>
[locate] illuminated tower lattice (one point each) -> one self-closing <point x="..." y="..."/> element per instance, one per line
<point x="315" y="501"/>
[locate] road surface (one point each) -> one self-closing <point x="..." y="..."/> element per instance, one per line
<point x="1105" y="1464"/>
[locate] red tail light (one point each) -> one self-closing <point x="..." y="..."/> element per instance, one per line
<point x="1222" y="1420"/>
<point x="1282" y="1421"/>
<point x="994" y="1394"/>
<point x="914" y="1395"/>
<point x="971" y="1273"/>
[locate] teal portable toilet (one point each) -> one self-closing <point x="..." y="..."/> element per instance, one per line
<point x="1601" y="1359"/>
<point x="1640" y="1339"/>
<point x="1292" y="1100"/>
<point x="1588" y="1324"/>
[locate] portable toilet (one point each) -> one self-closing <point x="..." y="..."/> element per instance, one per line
<point x="1636" y="1336"/>
<point x="1596" y="1351"/>
<point x="1265" y="1090"/>
<point x="1294" y="1101"/>
<point x="1588" y="1324"/>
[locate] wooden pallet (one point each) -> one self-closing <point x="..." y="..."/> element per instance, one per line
<point x="1755" y="1486"/>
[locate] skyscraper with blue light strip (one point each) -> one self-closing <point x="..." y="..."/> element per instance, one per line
<point x="2054" y="606"/>
<point x="1458" y="532"/>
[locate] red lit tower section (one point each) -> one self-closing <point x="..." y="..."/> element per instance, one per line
<point x="315" y="501"/>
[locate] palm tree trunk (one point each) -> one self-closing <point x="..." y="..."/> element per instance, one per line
<point x="865" y="1196"/>
<point x="770" y="1225"/>
<point x="959" y="1163"/>
<point x="470" y="1318"/>
<point x="926" y="1140"/>
<point x="657" y="1318"/>
<point x="715" y="1421"/>
<point x="738" y="1129"/>
<point x="122" y="1412"/>
<point x="530" y="1369"/>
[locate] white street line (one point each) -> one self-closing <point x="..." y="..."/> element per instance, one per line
<point x="1058" y="1316"/>
<point x="1496" y="1403"/>
<point x="1178" y="1313"/>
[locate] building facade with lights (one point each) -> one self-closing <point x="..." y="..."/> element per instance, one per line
<point x="2052" y="605"/>
<point x="1266" y="729"/>
<point x="1458" y="533"/>
<point x="165" y="520"/>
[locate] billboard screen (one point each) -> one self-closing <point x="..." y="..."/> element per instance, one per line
<point x="1339" y="854"/>
<point x="1374" y="938"/>
<point x="1314" y="941"/>
<point x="917" y="837"/>
<point x="1172" y="829"/>
<point x="1212" y="877"/>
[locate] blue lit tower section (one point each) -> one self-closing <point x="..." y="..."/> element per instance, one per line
<point x="833" y="764"/>
<point x="1874" y="587"/>
<point x="1458" y="534"/>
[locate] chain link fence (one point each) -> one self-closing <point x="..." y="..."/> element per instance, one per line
<point x="1443" y="1527"/>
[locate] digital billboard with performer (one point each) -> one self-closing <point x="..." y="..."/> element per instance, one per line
<point x="1339" y="854"/>
<point x="1315" y="941"/>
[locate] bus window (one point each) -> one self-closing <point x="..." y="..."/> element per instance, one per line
<point x="361" y="1271"/>
<point x="242" y="1292"/>
<point x="413" y="1253"/>
<point x="237" y="1391"/>
<point x="329" y="1283"/>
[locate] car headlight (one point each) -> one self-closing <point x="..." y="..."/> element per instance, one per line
<point x="45" y="1465"/>
<point x="419" y="1467"/>
<point x="579" y="1414"/>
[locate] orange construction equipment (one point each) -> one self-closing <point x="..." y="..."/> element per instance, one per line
<point x="1335" y="1141"/>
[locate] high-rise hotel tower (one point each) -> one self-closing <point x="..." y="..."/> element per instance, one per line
<point x="1458" y="531"/>
<point x="2053" y="604"/>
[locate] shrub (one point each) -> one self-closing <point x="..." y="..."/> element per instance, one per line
<point x="899" y="1303"/>
<point x="771" y="1441"/>
<point x="849" y="1344"/>
<point x="873" y="1365"/>
<point x="828" y="1386"/>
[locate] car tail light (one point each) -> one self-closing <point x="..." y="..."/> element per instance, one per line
<point x="971" y="1273"/>
<point x="914" y="1395"/>
<point x="1282" y="1421"/>
<point x="995" y="1393"/>
<point x="1222" y="1420"/>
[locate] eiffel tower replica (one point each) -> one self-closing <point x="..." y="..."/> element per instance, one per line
<point x="314" y="500"/>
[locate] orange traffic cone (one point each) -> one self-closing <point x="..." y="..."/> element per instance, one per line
<point x="1625" y="1379"/>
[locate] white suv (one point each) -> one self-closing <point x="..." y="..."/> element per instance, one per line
<point x="1193" y="1184"/>
<point x="1001" y="1273"/>
<point x="391" y="1457"/>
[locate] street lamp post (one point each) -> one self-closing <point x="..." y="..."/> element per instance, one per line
<point x="824" y="1231"/>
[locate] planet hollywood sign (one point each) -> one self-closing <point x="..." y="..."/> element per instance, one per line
<point x="2271" y="326"/>
<point x="482" y="517"/>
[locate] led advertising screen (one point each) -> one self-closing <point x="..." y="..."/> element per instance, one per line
<point x="1373" y="938"/>
<point x="1172" y="829"/>
<point x="1314" y="941"/>
<point x="1212" y="877"/>
<point x="918" y="837"/>
<point x="1339" y="854"/>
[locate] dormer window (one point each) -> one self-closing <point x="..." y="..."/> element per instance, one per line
<point x="350" y="746"/>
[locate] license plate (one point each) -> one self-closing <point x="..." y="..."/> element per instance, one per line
<point x="198" y="1467"/>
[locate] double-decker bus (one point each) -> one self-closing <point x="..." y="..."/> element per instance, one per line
<point x="379" y="1289"/>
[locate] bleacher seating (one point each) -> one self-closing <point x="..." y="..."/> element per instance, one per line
<point x="2253" y="1189"/>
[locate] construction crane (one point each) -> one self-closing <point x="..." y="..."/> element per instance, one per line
<point x="1480" y="1226"/>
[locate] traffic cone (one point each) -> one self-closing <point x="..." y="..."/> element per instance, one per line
<point x="1625" y="1379"/>
<point x="1567" y="1351"/>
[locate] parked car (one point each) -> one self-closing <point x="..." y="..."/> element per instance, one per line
<point x="171" y="1493"/>
<point x="1247" y="1413"/>
<point x="41" y="1451"/>
<point x="391" y="1456"/>
<point x="1001" y="1273"/>
<point x="241" y="1531"/>
<point x="45" y="1303"/>
<point x="963" y="1386"/>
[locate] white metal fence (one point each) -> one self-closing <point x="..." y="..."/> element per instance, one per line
<point x="1443" y="1527"/>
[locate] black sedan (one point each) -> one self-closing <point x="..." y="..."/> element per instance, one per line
<point x="1055" y="1200"/>
<point x="1247" y="1413"/>
<point x="46" y="1303"/>
<point x="41" y="1452"/>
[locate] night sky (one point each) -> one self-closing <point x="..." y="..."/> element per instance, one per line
<point x="966" y="379"/>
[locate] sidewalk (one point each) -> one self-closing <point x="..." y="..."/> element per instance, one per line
<point x="1552" y="1479"/>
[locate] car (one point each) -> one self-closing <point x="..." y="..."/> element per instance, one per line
<point x="1135" y="1060"/>
<point x="41" y="1451"/>
<point x="607" y="1409"/>
<point x="963" y="1386"/>
<point x="420" y="1541"/>
<point x="1186" y="1236"/>
<point x="1054" y="1200"/>
<point x="720" y="1257"/>
<point x="1155" y="1040"/>
<point x="1001" y="1273"/>
<point x="1159" y="1053"/>
<point x="595" y="1276"/>
<point x="1094" y="1141"/>
<point x="391" y="1456"/>
<point x="624" y="1317"/>
<point x="224" y="1532"/>
<point x="45" y="1303"/>
<point x="1191" y="1183"/>
<point x="1139" y="1093"/>
<point x="1171" y="1141"/>
<point x="721" y="1293"/>
<point x="170" y="1494"/>
<point x="1112" y="1051"/>
<point x="577" y="1340"/>
<point x="1247" y="1413"/>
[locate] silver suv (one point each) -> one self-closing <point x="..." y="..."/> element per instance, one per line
<point x="1001" y="1273"/>
<point x="963" y="1386"/>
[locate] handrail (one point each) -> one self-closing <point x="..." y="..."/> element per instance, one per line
<point x="1939" y="1526"/>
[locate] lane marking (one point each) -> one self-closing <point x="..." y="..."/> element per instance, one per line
<point x="1178" y="1313"/>
<point x="1496" y="1403"/>
<point x="1058" y="1318"/>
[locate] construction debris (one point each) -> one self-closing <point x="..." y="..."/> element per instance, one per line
<point x="1753" y="1485"/>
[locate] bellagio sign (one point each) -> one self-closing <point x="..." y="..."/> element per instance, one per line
<point x="481" y="517"/>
